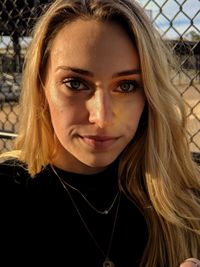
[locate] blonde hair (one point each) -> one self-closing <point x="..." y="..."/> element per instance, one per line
<point x="156" y="169"/>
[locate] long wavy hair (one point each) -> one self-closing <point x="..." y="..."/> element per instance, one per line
<point x="156" y="169"/>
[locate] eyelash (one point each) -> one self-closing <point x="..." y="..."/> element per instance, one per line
<point x="134" y="83"/>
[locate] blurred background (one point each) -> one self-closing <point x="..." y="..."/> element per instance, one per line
<point x="178" y="21"/>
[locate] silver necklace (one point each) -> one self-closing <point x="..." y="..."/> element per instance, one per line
<point x="107" y="262"/>
<point x="102" y="212"/>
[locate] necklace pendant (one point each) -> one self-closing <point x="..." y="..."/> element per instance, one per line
<point x="108" y="263"/>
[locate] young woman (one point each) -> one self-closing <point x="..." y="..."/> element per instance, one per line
<point x="102" y="174"/>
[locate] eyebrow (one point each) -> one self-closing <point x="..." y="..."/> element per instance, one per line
<point x="126" y="73"/>
<point x="91" y="74"/>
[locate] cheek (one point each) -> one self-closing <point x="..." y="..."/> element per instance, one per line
<point x="133" y="115"/>
<point x="65" y="114"/>
<point x="63" y="109"/>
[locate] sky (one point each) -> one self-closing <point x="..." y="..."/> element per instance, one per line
<point x="170" y="11"/>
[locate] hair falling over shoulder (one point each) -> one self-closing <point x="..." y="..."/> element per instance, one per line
<point x="156" y="169"/>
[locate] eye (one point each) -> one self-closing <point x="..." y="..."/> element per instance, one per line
<point x="128" y="86"/>
<point x="74" y="84"/>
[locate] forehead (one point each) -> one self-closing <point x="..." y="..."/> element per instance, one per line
<point x="92" y="40"/>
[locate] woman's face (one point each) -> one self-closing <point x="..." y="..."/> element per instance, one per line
<point x="95" y="96"/>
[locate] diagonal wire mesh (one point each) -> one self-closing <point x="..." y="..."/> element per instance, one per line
<point x="178" y="21"/>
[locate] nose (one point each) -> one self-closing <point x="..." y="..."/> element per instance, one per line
<point x="100" y="109"/>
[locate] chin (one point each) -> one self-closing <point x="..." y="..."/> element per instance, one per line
<point x="99" y="163"/>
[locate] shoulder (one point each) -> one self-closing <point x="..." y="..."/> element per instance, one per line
<point x="13" y="172"/>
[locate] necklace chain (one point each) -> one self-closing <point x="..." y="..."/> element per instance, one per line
<point x="107" y="262"/>
<point x="102" y="212"/>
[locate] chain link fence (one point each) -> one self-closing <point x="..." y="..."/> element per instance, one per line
<point x="177" y="20"/>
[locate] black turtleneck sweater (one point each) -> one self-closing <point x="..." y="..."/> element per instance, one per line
<point x="41" y="225"/>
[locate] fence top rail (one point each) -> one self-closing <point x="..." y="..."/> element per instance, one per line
<point x="7" y="135"/>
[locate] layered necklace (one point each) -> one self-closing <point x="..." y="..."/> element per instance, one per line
<point x="107" y="262"/>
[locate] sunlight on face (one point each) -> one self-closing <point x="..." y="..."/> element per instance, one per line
<point x="95" y="96"/>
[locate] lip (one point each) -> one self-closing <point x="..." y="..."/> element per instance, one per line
<point x="99" y="142"/>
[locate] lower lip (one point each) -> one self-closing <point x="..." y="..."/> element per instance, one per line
<point x="99" y="145"/>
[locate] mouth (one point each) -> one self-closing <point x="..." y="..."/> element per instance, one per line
<point x="99" y="142"/>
